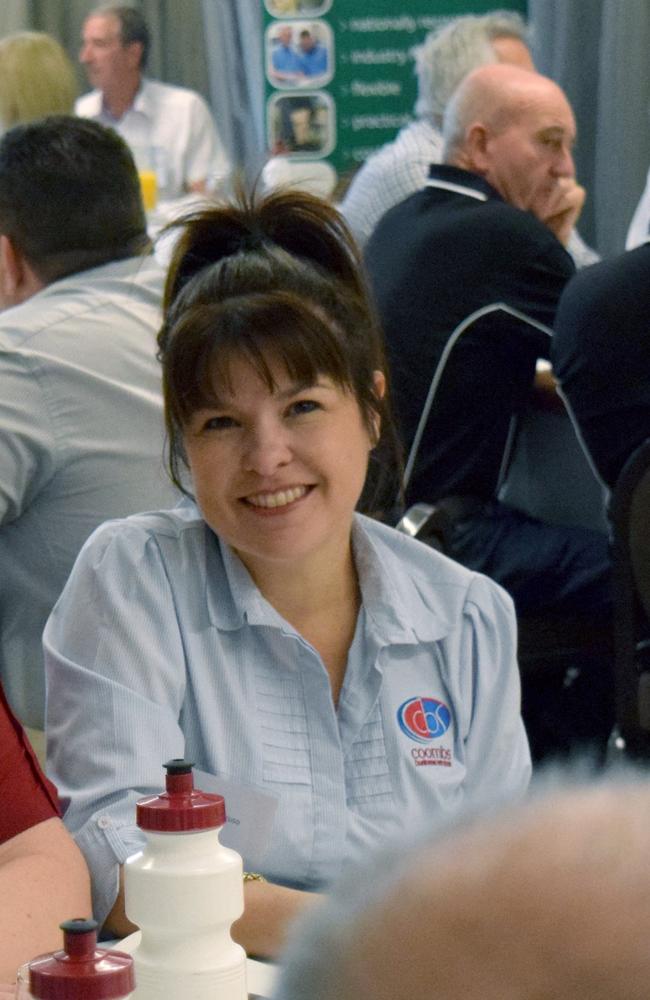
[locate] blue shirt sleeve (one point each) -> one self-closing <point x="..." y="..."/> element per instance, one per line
<point x="114" y="697"/>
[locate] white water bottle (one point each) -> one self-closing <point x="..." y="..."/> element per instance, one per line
<point x="184" y="891"/>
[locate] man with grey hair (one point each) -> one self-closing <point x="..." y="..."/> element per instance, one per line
<point x="467" y="274"/>
<point x="169" y="129"/>
<point x="547" y="898"/>
<point x="445" y="57"/>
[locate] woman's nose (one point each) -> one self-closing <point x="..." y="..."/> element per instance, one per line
<point x="266" y="448"/>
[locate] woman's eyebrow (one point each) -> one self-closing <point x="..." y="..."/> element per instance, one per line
<point x="300" y="386"/>
<point x="218" y="403"/>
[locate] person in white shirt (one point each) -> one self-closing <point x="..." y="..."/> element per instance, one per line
<point x="80" y="400"/>
<point x="169" y="129"/>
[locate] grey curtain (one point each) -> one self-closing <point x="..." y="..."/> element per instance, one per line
<point x="234" y="52"/>
<point x="13" y="16"/>
<point x="598" y="51"/>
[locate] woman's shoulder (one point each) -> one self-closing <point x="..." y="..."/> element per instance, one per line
<point x="413" y="556"/>
<point x="429" y="576"/>
<point x="131" y="536"/>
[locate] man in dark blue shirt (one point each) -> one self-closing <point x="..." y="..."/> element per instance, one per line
<point x="467" y="274"/>
<point x="313" y="55"/>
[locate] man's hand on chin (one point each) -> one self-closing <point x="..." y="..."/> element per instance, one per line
<point x="562" y="207"/>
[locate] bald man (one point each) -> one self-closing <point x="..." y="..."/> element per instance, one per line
<point x="467" y="274"/>
<point x="446" y="56"/>
<point x="549" y="898"/>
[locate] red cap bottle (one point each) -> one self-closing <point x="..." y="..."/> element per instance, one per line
<point x="180" y="808"/>
<point x="82" y="971"/>
<point x="184" y="890"/>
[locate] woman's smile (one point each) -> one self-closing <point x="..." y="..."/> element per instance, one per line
<point x="278" y="500"/>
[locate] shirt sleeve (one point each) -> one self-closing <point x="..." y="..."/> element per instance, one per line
<point x="497" y="754"/>
<point x="205" y="158"/>
<point x="115" y="679"/>
<point x="638" y="232"/>
<point x="27" y="446"/>
<point x="27" y="796"/>
<point x="538" y="270"/>
<point x="581" y="252"/>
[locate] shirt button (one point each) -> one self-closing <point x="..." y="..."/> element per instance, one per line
<point x="103" y="822"/>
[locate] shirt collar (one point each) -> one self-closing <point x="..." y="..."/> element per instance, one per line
<point x="401" y="606"/>
<point x="142" y="99"/>
<point x="240" y="602"/>
<point x="141" y="103"/>
<point x="447" y="177"/>
<point x="94" y="104"/>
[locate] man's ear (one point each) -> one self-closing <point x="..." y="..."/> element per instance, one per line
<point x="134" y="52"/>
<point x="18" y="281"/>
<point x="476" y="148"/>
<point x="11" y="269"/>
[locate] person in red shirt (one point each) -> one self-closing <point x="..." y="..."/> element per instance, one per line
<point x="43" y="877"/>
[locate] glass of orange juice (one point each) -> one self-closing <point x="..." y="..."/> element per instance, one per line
<point x="148" y="188"/>
<point x="144" y="161"/>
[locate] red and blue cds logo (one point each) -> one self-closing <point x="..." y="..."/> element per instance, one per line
<point x="423" y="719"/>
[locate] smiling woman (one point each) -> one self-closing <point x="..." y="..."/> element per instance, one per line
<point x="310" y="659"/>
<point x="277" y="472"/>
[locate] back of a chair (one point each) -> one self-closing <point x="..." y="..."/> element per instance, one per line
<point x="630" y="517"/>
<point x="448" y="434"/>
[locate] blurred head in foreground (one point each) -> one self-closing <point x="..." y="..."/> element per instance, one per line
<point x="546" y="900"/>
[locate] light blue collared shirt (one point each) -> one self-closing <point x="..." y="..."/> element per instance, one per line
<point x="161" y="646"/>
<point x="81" y="441"/>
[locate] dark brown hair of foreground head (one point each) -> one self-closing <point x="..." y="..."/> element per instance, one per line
<point x="273" y="279"/>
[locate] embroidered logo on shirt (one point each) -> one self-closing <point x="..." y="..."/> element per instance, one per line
<point x="437" y="756"/>
<point x="423" y="719"/>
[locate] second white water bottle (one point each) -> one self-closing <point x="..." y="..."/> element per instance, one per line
<point x="184" y="891"/>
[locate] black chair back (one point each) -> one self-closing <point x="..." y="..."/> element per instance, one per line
<point x="629" y="512"/>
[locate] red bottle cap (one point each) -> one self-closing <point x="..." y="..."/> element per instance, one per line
<point x="81" y="971"/>
<point x="181" y="807"/>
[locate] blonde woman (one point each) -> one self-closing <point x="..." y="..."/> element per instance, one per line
<point x="36" y="78"/>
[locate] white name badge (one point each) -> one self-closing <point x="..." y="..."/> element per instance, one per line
<point x="250" y="814"/>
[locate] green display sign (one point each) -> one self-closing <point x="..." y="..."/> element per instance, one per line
<point x="339" y="73"/>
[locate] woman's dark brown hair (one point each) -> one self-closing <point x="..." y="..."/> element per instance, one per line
<point x="274" y="279"/>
